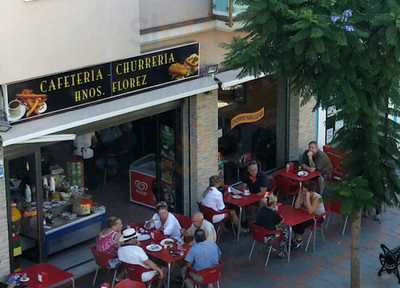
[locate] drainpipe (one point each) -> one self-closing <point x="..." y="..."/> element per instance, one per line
<point x="230" y="13"/>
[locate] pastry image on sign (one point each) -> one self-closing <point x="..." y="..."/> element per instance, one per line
<point x="188" y="68"/>
<point x="28" y="104"/>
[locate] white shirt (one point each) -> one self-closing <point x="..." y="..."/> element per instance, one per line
<point x="171" y="227"/>
<point x="133" y="254"/>
<point x="82" y="145"/>
<point x="208" y="228"/>
<point x="214" y="200"/>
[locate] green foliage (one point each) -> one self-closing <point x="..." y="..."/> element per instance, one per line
<point x="344" y="53"/>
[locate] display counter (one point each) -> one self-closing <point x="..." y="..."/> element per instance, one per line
<point x="72" y="232"/>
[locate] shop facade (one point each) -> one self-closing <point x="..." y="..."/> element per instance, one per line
<point x="139" y="150"/>
<point x="146" y="136"/>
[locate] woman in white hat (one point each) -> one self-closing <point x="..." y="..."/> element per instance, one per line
<point x="131" y="253"/>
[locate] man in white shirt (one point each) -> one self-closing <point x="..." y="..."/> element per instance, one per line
<point x="166" y="222"/>
<point x="198" y="222"/>
<point x="131" y="253"/>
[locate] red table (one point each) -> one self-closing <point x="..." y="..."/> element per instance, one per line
<point x="291" y="217"/>
<point x="164" y="254"/>
<point x="56" y="276"/>
<point x="300" y="179"/>
<point x="244" y="201"/>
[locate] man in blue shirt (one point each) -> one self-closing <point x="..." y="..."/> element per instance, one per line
<point x="203" y="254"/>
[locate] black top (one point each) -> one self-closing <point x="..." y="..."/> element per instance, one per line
<point x="268" y="218"/>
<point x="261" y="181"/>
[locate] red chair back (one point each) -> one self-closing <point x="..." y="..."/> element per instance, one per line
<point x="209" y="213"/>
<point x="134" y="272"/>
<point x="183" y="220"/>
<point x="127" y="283"/>
<point x="336" y="157"/>
<point x="333" y="206"/>
<point x="258" y="233"/>
<point x="101" y="258"/>
<point x="286" y="186"/>
<point x="210" y="275"/>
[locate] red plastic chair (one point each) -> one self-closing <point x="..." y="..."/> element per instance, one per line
<point x="102" y="263"/>
<point x="335" y="207"/>
<point x="287" y="187"/>
<point x="183" y="220"/>
<point x="258" y="234"/>
<point x="210" y="213"/>
<point x="336" y="156"/>
<point x="127" y="283"/>
<point x="209" y="275"/>
<point x="319" y="226"/>
<point x="134" y="272"/>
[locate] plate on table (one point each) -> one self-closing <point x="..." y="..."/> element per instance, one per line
<point x="143" y="237"/>
<point x="302" y="173"/>
<point x="154" y="247"/>
<point x="236" y="196"/>
<point x="167" y="242"/>
<point x="24" y="279"/>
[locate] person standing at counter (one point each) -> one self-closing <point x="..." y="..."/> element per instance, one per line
<point x="166" y="222"/>
<point x="83" y="145"/>
<point x="257" y="182"/>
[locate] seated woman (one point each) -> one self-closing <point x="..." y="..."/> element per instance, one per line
<point x="214" y="199"/>
<point x="310" y="201"/>
<point x="108" y="239"/>
<point x="267" y="215"/>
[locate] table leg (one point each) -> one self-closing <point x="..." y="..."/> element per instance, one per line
<point x="240" y="222"/>
<point x="315" y="235"/>
<point x="169" y="275"/>
<point x="290" y="243"/>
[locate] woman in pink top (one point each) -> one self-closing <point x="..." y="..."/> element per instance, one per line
<point x="108" y="239"/>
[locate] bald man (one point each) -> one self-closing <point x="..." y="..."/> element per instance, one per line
<point x="198" y="222"/>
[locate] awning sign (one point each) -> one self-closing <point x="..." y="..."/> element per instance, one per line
<point x="247" y="118"/>
<point x="42" y="96"/>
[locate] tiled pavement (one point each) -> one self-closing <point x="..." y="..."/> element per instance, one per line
<point x="328" y="267"/>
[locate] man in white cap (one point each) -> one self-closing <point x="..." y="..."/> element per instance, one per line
<point x="131" y="253"/>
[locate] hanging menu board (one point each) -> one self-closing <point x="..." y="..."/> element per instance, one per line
<point x="51" y="94"/>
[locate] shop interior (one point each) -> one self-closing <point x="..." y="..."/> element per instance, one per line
<point x="255" y="137"/>
<point x="68" y="188"/>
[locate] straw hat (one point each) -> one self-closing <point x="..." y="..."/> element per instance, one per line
<point x="128" y="234"/>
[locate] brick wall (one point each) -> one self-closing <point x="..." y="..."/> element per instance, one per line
<point x="302" y="126"/>
<point x="4" y="250"/>
<point x="203" y="141"/>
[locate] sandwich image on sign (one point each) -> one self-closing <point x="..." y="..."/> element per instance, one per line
<point x="186" y="69"/>
<point x="28" y="104"/>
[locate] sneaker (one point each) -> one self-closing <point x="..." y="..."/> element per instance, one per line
<point x="282" y="254"/>
<point x="297" y="244"/>
<point x="244" y="230"/>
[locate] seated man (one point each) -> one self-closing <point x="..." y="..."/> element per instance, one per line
<point x="131" y="253"/>
<point x="166" y="222"/>
<point x="255" y="180"/>
<point x="203" y="254"/>
<point x="198" y="222"/>
<point x="315" y="159"/>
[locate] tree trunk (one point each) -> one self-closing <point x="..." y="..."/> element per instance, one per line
<point x="355" y="249"/>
